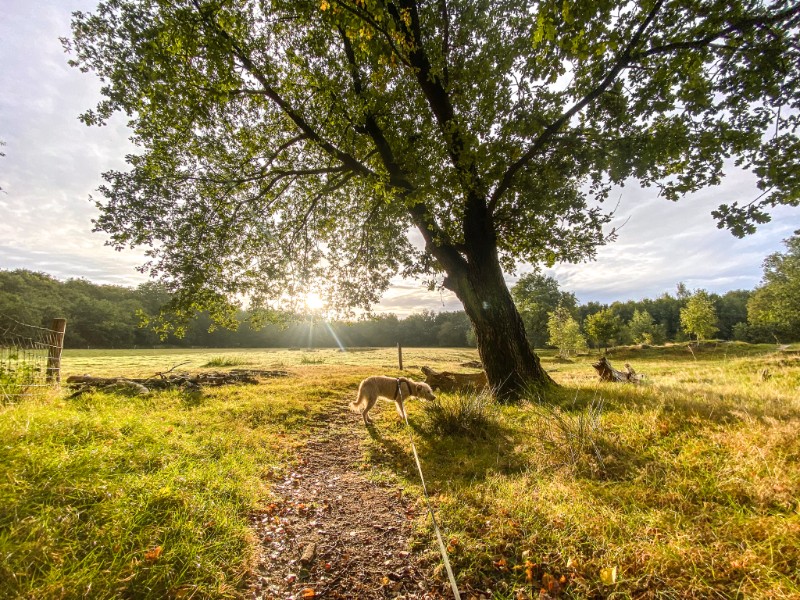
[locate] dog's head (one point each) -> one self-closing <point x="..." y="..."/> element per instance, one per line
<point x="424" y="391"/>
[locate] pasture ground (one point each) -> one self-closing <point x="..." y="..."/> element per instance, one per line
<point x="685" y="486"/>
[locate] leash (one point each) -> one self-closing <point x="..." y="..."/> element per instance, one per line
<point x="442" y="549"/>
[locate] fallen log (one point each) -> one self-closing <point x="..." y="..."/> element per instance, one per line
<point x="472" y="364"/>
<point x="609" y="373"/>
<point x="139" y="386"/>
<point x="451" y="382"/>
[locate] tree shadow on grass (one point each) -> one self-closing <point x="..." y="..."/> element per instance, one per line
<point x="445" y="459"/>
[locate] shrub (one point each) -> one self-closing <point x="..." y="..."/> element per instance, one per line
<point x="468" y="414"/>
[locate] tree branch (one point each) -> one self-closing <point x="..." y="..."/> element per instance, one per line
<point x="445" y="40"/>
<point x="346" y="159"/>
<point x="627" y="57"/>
<point x="377" y="27"/>
<point x="704" y="42"/>
<point x="622" y="61"/>
<point x="396" y="175"/>
<point x="436" y="239"/>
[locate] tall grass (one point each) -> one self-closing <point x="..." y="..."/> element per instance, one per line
<point x="461" y="414"/>
<point x="226" y="361"/>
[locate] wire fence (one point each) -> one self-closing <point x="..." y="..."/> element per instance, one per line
<point x="30" y="358"/>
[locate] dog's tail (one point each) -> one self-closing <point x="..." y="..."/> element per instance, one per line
<point x="355" y="405"/>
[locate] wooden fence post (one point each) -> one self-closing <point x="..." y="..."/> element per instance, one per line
<point x="56" y="345"/>
<point x="400" y="355"/>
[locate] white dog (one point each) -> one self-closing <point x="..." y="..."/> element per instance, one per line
<point x="391" y="388"/>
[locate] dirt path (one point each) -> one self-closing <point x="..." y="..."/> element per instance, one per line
<point x="335" y="534"/>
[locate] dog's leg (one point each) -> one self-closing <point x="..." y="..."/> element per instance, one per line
<point x="369" y="404"/>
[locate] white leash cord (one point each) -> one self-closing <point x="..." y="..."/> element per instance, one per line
<point x="442" y="548"/>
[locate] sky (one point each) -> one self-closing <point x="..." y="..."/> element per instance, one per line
<point x="53" y="166"/>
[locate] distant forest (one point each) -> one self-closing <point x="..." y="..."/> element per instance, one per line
<point x="108" y="316"/>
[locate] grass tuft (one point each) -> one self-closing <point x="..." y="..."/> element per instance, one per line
<point x="573" y="437"/>
<point x="307" y="359"/>
<point x="467" y="414"/>
<point x="226" y="361"/>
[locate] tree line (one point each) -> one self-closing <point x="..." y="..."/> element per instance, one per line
<point x="111" y="316"/>
<point x="770" y="313"/>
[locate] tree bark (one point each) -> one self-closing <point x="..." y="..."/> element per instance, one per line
<point x="513" y="369"/>
<point x="511" y="366"/>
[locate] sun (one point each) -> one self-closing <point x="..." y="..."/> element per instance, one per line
<point x="313" y="301"/>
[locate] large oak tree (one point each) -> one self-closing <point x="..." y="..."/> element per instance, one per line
<point x="293" y="144"/>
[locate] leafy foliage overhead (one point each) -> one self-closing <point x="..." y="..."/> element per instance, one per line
<point x="294" y="143"/>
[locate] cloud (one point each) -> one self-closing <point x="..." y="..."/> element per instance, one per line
<point x="662" y="243"/>
<point x="53" y="162"/>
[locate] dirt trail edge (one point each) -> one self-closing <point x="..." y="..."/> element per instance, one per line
<point x="332" y="533"/>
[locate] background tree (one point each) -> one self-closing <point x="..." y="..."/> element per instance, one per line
<point x="644" y="330"/>
<point x="536" y="296"/>
<point x="565" y="333"/>
<point x="293" y="144"/>
<point x="699" y="317"/>
<point x="775" y="305"/>
<point x="731" y="310"/>
<point x="603" y="327"/>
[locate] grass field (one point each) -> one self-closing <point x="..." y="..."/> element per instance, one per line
<point x="687" y="486"/>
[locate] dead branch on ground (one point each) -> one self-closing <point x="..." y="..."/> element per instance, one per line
<point x="161" y="381"/>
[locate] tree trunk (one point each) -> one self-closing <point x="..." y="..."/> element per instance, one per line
<point x="475" y="275"/>
<point x="511" y="366"/>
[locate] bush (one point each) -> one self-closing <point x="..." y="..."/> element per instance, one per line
<point x="467" y="414"/>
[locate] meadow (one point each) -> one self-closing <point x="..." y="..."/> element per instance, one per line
<point x="686" y="486"/>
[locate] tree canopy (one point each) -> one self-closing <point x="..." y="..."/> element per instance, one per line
<point x="643" y="329"/>
<point x="699" y="316"/>
<point x="536" y="296"/>
<point x="565" y="332"/>
<point x="294" y="144"/>
<point x="603" y="327"/>
<point x="775" y="305"/>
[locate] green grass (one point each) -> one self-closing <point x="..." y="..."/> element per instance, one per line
<point x="147" y="497"/>
<point x="687" y="484"/>
<point x="226" y="361"/>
